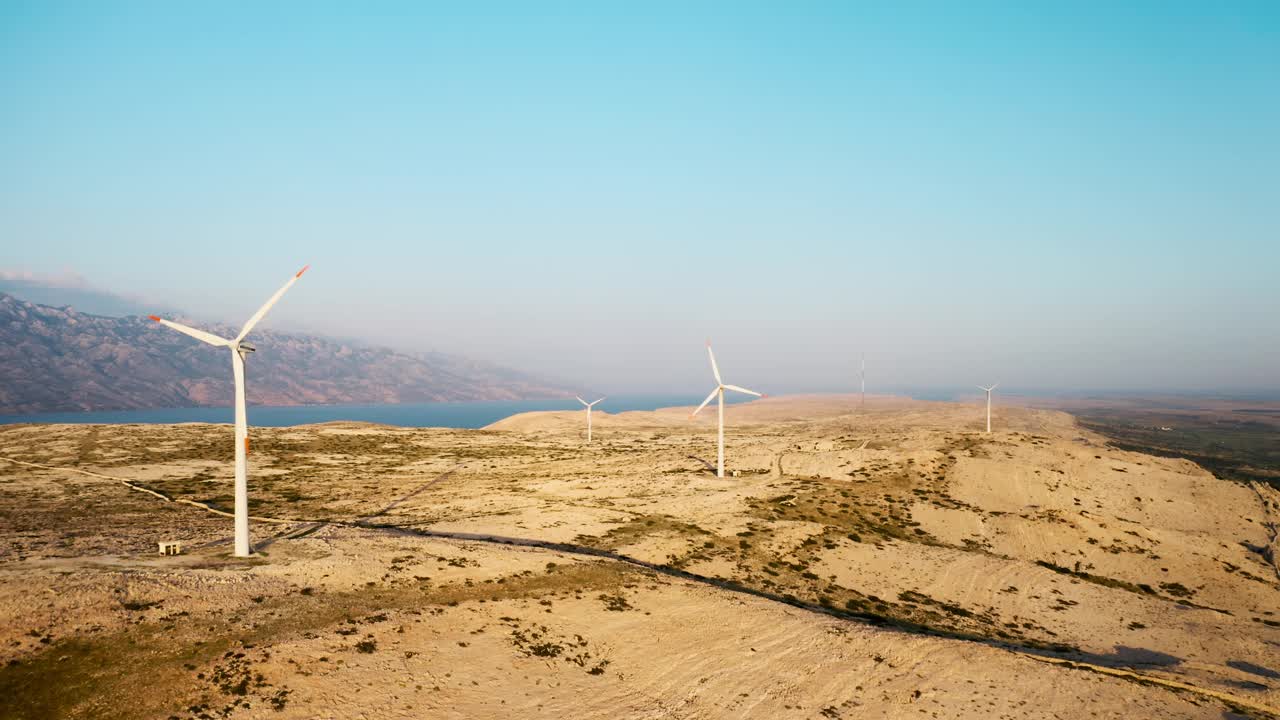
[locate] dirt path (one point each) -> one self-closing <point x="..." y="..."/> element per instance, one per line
<point x="133" y="486"/>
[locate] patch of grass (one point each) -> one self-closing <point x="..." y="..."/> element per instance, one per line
<point x="1138" y="588"/>
<point x="616" y="602"/>
<point x="639" y="528"/>
<point x="539" y="641"/>
<point x="915" y="597"/>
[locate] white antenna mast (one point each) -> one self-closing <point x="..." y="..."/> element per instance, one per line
<point x="864" y="378"/>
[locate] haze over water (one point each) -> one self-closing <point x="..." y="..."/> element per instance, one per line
<point x="451" y="415"/>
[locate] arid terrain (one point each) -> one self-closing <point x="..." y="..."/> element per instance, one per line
<point x="879" y="561"/>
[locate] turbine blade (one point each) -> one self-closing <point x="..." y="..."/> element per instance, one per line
<point x="743" y="390"/>
<point x="704" y="402"/>
<point x="262" y="311"/>
<point x="584" y="402"/>
<point x="593" y="403"/>
<point x="993" y="387"/>
<point x="714" y="370"/>
<point x="197" y="334"/>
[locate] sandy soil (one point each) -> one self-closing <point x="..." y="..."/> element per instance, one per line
<point x="885" y="561"/>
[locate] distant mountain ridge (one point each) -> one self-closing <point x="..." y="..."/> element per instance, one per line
<point x="74" y="290"/>
<point x="58" y="359"/>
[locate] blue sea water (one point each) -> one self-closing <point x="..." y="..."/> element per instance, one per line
<point x="451" y="415"/>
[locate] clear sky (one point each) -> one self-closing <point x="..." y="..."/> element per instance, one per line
<point x="1052" y="195"/>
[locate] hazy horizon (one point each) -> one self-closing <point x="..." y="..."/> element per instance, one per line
<point x="1063" y="199"/>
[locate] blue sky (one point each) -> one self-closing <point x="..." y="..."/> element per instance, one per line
<point x="1053" y="195"/>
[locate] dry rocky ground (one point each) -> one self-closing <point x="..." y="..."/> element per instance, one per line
<point x="878" y="561"/>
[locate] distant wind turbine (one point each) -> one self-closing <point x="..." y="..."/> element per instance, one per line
<point x="238" y="350"/>
<point x="989" y="389"/>
<point x="588" y="405"/>
<point x="719" y="391"/>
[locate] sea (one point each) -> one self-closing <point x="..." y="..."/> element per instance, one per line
<point x="449" y="415"/>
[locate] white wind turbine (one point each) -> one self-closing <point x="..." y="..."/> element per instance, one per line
<point x="719" y="391"/>
<point x="238" y="349"/>
<point x="588" y="406"/>
<point x="989" y="389"/>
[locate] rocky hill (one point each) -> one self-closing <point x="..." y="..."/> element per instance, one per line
<point x="55" y="359"/>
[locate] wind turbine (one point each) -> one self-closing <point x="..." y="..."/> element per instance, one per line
<point x="719" y="391"/>
<point x="238" y="350"/>
<point x="989" y="389"/>
<point x="588" y="405"/>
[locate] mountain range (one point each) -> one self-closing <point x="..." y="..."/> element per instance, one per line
<point x="60" y="359"/>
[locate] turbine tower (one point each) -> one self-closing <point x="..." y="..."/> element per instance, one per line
<point x="989" y="389"/>
<point x="588" y="405"/>
<point x="719" y="391"/>
<point x="239" y="349"/>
